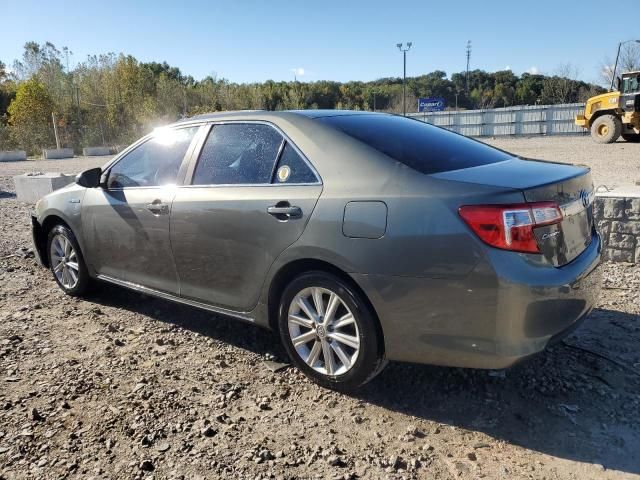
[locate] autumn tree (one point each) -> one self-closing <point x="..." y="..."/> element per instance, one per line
<point x="30" y="117"/>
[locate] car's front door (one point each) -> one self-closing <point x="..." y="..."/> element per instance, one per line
<point x="250" y="197"/>
<point x="126" y="223"/>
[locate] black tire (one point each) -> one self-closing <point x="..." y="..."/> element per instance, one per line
<point x="606" y="129"/>
<point x="83" y="282"/>
<point x="369" y="361"/>
<point x="631" y="137"/>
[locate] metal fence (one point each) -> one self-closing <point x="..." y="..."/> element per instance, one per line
<point x="520" y="120"/>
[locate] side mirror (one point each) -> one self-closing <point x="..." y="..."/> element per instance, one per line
<point x="89" y="178"/>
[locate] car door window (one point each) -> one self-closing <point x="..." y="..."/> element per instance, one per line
<point x="292" y="168"/>
<point x="156" y="162"/>
<point x="238" y="154"/>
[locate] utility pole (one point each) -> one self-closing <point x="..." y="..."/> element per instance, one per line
<point x="184" y="102"/>
<point x="55" y="130"/>
<point x="78" y="105"/>
<point x="468" y="62"/>
<point x="615" y="67"/>
<point x="404" y="75"/>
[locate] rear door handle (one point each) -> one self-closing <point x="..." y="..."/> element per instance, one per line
<point x="284" y="211"/>
<point x="158" y="208"/>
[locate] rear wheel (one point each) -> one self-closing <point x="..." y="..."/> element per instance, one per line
<point x="329" y="331"/>
<point x="66" y="261"/>
<point x="631" y="137"/>
<point x="606" y="129"/>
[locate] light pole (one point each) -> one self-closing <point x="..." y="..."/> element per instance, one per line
<point x="613" y="75"/>
<point x="404" y="51"/>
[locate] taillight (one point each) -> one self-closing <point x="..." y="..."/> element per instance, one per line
<point x="510" y="227"/>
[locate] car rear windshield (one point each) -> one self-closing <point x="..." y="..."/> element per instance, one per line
<point x="421" y="146"/>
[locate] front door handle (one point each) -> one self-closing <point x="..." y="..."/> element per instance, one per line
<point x="284" y="211"/>
<point x="158" y="208"/>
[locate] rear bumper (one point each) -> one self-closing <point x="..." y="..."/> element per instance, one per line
<point x="508" y="308"/>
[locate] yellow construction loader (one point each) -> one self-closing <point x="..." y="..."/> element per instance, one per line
<point x="616" y="113"/>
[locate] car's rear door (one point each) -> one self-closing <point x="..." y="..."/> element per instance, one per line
<point x="251" y="195"/>
<point x="126" y="222"/>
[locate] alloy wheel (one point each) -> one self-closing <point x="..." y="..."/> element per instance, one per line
<point x="323" y="331"/>
<point x="64" y="261"/>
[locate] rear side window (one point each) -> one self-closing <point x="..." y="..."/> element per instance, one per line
<point x="292" y="168"/>
<point x="238" y="154"/>
<point x="421" y="146"/>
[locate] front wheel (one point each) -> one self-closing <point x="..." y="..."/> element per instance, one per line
<point x="606" y="129"/>
<point x="330" y="332"/>
<point x="66" y="261"/>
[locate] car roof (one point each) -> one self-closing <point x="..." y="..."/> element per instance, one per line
<point x="265" y="114"/>
<point x="332" y="113"/>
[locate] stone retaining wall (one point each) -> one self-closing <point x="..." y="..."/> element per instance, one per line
<point x="617" y="215"/>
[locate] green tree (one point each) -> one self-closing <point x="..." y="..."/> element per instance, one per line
<point x="30" y="117"/>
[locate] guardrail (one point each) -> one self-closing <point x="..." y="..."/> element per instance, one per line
<point x="519" y="120"/>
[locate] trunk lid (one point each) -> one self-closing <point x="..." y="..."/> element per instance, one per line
<point x="569" y="186"/>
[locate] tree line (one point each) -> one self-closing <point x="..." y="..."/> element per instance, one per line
<point x="111" y="99"/>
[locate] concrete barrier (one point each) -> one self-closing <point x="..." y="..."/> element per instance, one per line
<point x="96" y="151"/>
<point x="617" y="214"/>
<point x="57" y="153"/>
<point x="13" y="155"/>
<point x="30" y="187"/>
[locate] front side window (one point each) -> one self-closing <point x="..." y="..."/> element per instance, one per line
<point x="292" y="168"/>
<point x="238" y="153"/>
<point x="154" y="163"/>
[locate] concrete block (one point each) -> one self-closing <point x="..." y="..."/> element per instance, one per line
<point x="631" y="228"/>
<point x="622" y="241"/>
<point x="614" y="207"/>
<point x="12" y="155"/>
<point x="633" y="209"/>
<point x="598" y="208"/>
<point x="603" y="227"/>
<point x="57" y="153"/>
<point x="618" y="255"/>
<point x="96" y="151"/>
<point x="30" y="187"/>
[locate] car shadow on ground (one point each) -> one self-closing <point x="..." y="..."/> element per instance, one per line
<point x="566" y="402"/>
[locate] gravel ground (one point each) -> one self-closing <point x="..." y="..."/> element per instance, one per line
<point x="119" y="385"/>
<point x="613" y="165"/>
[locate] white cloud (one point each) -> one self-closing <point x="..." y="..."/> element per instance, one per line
<point x="508" y="67"/>
<point x="298" y="72"/>
<point x="533" y="71"/>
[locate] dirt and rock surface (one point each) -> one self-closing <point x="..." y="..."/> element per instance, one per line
<point x="119" y="385"/>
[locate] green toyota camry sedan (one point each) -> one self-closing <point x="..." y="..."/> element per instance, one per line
<point x="359" y="237"/>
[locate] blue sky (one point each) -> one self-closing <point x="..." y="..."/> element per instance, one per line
<point x="343" y="40"/>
